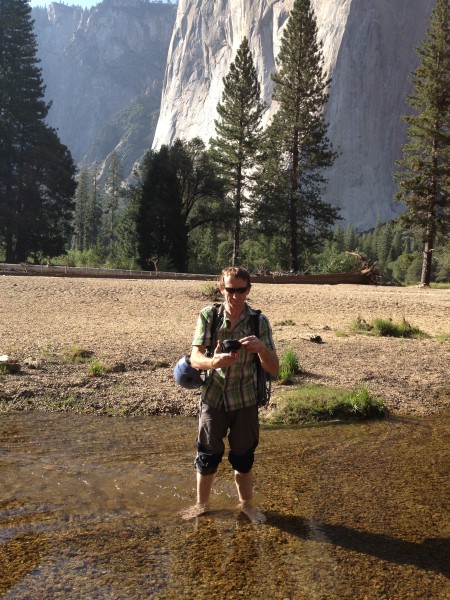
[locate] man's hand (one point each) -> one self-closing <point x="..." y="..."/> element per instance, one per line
<point x="223" y="360"/>
<point x="253" y="344"/>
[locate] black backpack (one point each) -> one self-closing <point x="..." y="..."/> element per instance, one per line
<point x="264" y="382"/>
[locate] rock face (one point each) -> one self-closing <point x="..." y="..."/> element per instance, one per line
<point x="369" y="51"/>
<point x="103" y="69"/>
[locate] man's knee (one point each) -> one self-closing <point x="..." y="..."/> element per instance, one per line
<point x="206" y="462"/>
<point x="242" y="463"/>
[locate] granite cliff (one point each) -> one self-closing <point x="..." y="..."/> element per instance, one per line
<point x="369" y="51"/>
<point x="103" y="69"/>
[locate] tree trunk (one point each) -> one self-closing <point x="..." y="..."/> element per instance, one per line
<point x="237" y="226"/>
<point x="430" y="236"/>
<point x="426" y="264"/>
<point x="293" y="248"/>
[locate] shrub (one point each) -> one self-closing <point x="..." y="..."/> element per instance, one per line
<point x="211" y="291"/>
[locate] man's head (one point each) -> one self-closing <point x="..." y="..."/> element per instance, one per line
<point x="235" y="286"/>
<point x="236" y="273"/>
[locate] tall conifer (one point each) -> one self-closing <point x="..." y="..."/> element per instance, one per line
<point x="298" y="149"/>
<point x="238" y="131"/>
<point x="36" y="171"/>
<point x="424" y="176"/>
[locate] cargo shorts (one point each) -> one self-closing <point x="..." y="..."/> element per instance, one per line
<point x="215" y="424"/>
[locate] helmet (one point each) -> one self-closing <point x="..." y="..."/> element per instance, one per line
<point x="185" y="374"/>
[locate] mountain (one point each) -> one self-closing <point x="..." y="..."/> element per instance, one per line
<point x="369" y="51"/>
<point x="106" y="68"/>
<point x="103" y="69"/>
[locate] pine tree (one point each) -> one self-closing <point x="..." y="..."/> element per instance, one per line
<point x="238" y="133"/>
<point x="113" y="192"/>
<point x="423" y="179"/>
<point x="36" y="171"/>
<point x="80" y="214"/>
<point x="94" y="209"/>
<point x="298" y="149"/>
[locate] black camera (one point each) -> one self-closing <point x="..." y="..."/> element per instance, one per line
<point x="231" y="346"/>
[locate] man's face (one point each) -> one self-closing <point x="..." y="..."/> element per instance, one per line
<point x="235" y="292"/>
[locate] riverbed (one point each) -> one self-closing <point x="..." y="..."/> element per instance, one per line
<point x="89" y="508"/>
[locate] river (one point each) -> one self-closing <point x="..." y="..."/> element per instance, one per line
<point x="89" y="509"/>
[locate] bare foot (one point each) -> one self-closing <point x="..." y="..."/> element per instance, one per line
<point x="255" y="515"/>
<point x="194" y="511"/>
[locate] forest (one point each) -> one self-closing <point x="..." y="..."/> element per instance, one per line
<point x="251" y="196"/>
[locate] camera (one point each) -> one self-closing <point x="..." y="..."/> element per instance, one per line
<point x="231" y="346"/>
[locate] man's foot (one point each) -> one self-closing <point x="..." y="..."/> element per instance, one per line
<point x="194" y="511"/>
<point x="255" y="515"/>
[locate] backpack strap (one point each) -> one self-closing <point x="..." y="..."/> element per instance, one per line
<point x="263" y="380"/>
<point x="217" y="311"/>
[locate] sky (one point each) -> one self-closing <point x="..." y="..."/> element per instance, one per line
<point x="82" y="3"/>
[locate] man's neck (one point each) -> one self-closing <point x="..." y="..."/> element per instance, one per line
<point x="234" y="315"/>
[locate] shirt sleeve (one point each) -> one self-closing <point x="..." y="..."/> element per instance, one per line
<point x="202" y="335"/>
<point x="265" y="332"/>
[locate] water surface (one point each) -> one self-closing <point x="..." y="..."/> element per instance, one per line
<point x="89" y="509"/>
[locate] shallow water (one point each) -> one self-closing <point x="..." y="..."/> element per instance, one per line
<point x="89" y="509"/>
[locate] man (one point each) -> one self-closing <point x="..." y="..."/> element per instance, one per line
<point x="229" y="400"/>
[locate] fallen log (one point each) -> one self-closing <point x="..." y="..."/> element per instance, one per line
<point x="364" y="276"/>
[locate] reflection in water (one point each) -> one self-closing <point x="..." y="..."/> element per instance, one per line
<point x="89" y="508"/>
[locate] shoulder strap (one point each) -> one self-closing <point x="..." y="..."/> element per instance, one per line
<point x="216" y="311"/>
<point x="254" y="322"/>
<point x="264" y="385"/>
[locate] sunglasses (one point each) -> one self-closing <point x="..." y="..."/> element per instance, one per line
<point x="240" y="290"/>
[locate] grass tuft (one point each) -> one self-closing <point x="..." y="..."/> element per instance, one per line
<point x="96" y="368"/>
<point x="443" y="337"/>
<point x="289" y="367"/>
<point x="321" y="403"/>
<point x="387" y="328"/>
<point x="76" y="354"/>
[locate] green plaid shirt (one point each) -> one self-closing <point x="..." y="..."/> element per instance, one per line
<point x="233" y="387"/>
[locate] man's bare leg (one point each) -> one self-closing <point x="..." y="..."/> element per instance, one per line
<point x="204" y="487"/>
<point x="244" y="484"/>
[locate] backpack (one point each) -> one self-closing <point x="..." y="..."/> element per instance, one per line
<point x="263" y="379"/>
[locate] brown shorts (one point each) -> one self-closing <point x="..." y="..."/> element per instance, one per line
<point x="242" y="428"/>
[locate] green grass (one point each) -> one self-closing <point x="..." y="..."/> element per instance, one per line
<point x="288" y="322"/>
<point x="289" y="367"/>
<point x="440" y="286"/>
<point x="443" y="337"/>
<point x="313" y="403"/>
<point x="96" y="368"/>
<point x="387" y="328"/>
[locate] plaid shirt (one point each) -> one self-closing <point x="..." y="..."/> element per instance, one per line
<point x="233" y="387"/>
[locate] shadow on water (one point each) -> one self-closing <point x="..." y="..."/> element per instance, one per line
<point x="432" y="554"/>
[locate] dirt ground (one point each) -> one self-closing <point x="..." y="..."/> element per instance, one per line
<point x="138" y="329"/>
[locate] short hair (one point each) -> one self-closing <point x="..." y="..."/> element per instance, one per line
<point x="237" y="272"/>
